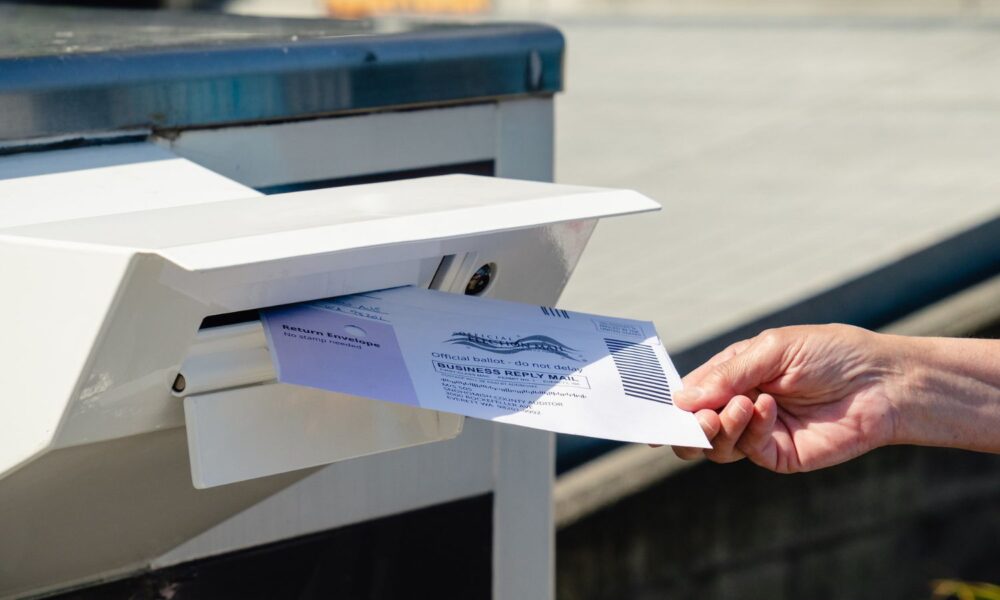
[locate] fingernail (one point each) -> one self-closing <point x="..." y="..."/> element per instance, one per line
<point x="688" y="397"/>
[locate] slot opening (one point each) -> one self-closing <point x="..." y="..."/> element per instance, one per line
<point x="253" y="314"/>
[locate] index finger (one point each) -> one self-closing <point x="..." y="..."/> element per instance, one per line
<point x="761" y="360"/>
<point x="730" y="351"/>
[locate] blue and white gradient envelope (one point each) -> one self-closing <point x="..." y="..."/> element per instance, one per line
<point x="514" y="363"/>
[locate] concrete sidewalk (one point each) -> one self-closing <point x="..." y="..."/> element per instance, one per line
<point x="790" y="154"/>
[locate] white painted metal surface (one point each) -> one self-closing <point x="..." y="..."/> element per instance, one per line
<point x="105" y="506"/>
<point x="222" y="235"/>
<point x="39" y="187"/>
<point x="98" y="365"/>
<point x="524" y="551"/>
<point x="358" y="490"/>
<point x="250" y="432"/>
<point x="222" y="358"/>
<point x="271" y="155"/>
<point x="242" y="424"/>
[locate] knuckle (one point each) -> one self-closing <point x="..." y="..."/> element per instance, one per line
<point x="738" y="347"/>
<point x="771" y="339"/>
<point x="725" y="372"/>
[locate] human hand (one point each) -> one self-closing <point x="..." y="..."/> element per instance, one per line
<point x="797" y="398"/>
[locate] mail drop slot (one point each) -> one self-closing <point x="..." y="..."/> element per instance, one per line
<point x="242" y="424"/>
<point x="156" y="275"/>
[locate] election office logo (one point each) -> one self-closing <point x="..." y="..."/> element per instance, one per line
<point x="508" y="345"/>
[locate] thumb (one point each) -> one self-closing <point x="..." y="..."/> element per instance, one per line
<point x="762" y="361"/>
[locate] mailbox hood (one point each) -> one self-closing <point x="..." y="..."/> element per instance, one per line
<point x="261" y="229"/>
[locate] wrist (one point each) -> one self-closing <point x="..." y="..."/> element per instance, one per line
<point x="946" y="392"/>
<point x="897" y="366"/>
<point x="913" y="384"/>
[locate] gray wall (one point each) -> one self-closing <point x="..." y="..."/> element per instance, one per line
<point x="881" y="527"/>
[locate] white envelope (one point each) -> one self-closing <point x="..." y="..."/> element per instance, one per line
<point x="526" y="365"/>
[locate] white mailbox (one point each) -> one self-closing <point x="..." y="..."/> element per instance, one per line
<point x="165" y="175"/>
<point x="112" y="319"/>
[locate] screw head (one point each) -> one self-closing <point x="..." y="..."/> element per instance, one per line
<point x="480" y="280"/>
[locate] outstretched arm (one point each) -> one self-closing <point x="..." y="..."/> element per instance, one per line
<point x="802" y="398"/>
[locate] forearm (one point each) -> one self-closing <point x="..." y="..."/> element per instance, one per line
<point x="948" y="393"/>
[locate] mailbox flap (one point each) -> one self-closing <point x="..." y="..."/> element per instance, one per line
<point x="260" y="229"/>
<point x="252" y="432"/>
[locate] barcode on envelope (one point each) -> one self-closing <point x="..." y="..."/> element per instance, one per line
<point x="640" y="371"/>
<point x="554" y="312"/>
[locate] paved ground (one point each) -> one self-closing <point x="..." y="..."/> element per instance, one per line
<point x="789" y="153"/>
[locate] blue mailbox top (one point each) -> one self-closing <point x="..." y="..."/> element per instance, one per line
<point x="65" y="71"/>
